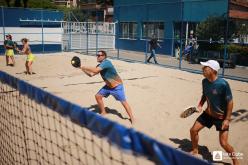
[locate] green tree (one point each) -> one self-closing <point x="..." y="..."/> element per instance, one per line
<point x="214" y="27"/>
<point x="100" y="2"/>
<point x="25" y="3"/>
<point x="74" y="14"/>
<point x="8" y="2"/>
<point x="45" y="4"/>
<point x="18" y="3"/>
<point x="243" y="29"/>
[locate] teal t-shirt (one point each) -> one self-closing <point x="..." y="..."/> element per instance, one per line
<point x="9" y="43"/>
<point x="109" y="73"/>
<point x="218" y="93"/>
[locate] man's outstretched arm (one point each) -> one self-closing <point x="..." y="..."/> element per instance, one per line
<point x="90" y="71"/>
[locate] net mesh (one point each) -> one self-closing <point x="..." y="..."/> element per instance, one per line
<point x="34" y="134"/>
<point x="40" y="128"/>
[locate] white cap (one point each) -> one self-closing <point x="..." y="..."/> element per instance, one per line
<point x="212" y="64"/>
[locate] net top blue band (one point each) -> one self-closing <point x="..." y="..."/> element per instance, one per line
<point x="125" y="138"/>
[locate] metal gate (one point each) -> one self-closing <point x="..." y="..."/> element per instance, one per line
<point x="88" y="36"/>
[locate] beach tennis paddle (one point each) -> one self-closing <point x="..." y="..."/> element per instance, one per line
<point x="75" y="62"/>
<point x="187" y="112"/>
<point x="15" y="44"/>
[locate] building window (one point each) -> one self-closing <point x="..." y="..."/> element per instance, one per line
<point x="153" y="28"/>
<point x="128" y="30"/>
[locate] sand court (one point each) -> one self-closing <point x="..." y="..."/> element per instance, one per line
<point x="157" y="96"/>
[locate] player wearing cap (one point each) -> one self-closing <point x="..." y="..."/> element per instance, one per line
<point x="217" y="93"/>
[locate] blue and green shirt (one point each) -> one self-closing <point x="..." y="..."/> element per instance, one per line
<point x="9" y="43"/>
<point x="218" y="94"/>
<point x="109" y="74"/>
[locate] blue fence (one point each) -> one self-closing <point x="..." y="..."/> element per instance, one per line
<point x="188" y="31"/>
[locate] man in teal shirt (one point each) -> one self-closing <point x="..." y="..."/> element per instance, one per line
<point x="113" y="83"/>
<point x="217" y="93"/>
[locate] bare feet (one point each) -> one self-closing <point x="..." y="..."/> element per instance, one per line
<point x="103" y="113"/>
<point x="131" y="120"/>
<point x="31" y="73"/>
<point x="235" y="162"/>
<point x="194" y="152"/>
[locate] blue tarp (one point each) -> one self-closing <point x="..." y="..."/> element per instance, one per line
<point x="125" y="138"/>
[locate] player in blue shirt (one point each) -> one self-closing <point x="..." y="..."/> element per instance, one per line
<point x="113" y="83"/>
<point x="218" y="95"/>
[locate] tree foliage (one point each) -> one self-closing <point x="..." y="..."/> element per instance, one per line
<point x="25" y="3"/>
<point x="215" y="27"/>
<point x="243" y="28"/>
<point x="46" y="4"/>
<point x="70" y="14"/>
<point x="18" y="3"/>
<point x="108" y="2"/>
<point x="8" y="2"/>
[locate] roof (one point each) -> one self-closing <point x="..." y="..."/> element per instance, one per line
<point x="238" y="9"/>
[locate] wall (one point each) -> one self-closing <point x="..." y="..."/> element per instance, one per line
<point x="47" y="38"/>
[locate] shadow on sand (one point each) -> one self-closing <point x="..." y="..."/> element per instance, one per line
<point x="97" y="82"/>
<point x="185" y="145"/>
<point x="94" y="108"/>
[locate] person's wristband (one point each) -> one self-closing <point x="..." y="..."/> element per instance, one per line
<point x="228" y="119"/>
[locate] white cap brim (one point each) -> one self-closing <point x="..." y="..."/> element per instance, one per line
<point x="216" y="68"/>
<point x="204" y="63"/>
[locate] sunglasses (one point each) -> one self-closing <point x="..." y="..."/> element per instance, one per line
<point x="98" y="55"/>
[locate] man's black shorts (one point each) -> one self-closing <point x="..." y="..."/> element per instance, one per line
<point x="208" y="121"/>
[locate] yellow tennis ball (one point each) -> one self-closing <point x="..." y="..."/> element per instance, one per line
<point x="73" y="62"/>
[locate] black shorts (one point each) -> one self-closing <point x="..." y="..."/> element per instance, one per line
<point x="208" y="121"/>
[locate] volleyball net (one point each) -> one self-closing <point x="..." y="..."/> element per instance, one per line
<point x="38" y="127"/>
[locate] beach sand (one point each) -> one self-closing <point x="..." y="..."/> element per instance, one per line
<point x="157" y="96"/>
